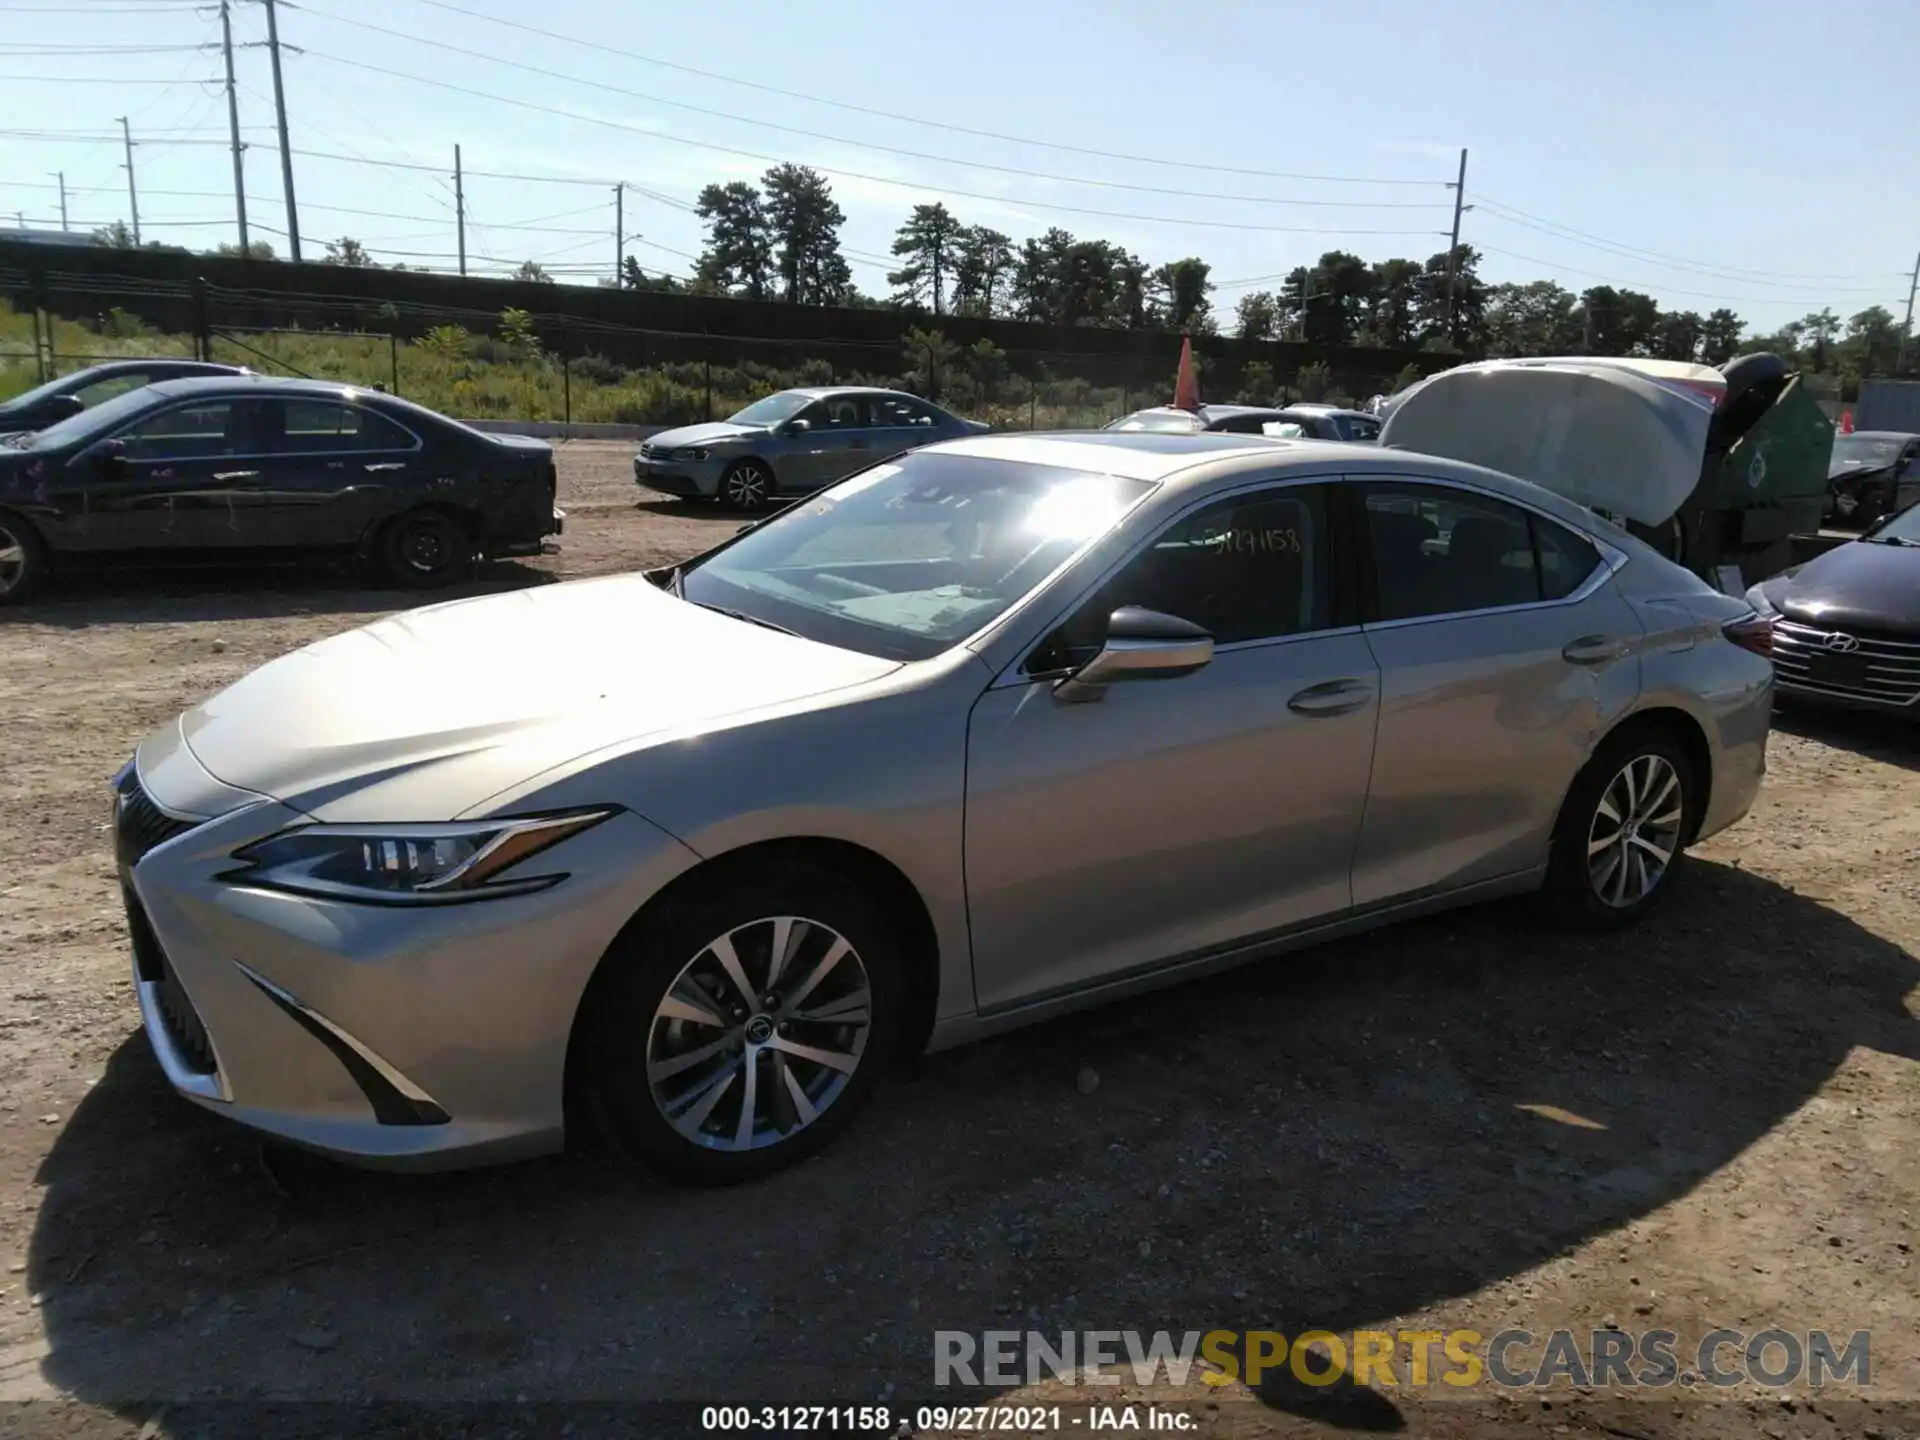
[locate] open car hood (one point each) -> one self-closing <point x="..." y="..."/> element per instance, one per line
<point x="1607" y="434"/>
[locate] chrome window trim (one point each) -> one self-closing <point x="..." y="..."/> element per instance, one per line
<point x="1612" y="559"/>
<point x="1013" y="672"/>
<point x="416" y="448"/>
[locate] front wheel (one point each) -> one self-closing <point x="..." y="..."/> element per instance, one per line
<point x="746" y="485"/>
<point x="1621" y="831"/>
<point x="23" y="559"/>
<point x="741" y="1029"/>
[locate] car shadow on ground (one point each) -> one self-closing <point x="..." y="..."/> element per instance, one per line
<point x="1326" y="1140"/>
<point x="136" y="597"/>
<point x="1890" y="739"/>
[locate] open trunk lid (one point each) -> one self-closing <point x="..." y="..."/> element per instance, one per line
<point x="1620" y="436"/>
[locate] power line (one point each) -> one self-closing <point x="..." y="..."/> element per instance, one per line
<point x="1025" y="172"/>
<point x="850" y="174"/>
<point x="1613" y="280"/>
<point x="1515" y="215"/>
<point x="1188" y="165"/>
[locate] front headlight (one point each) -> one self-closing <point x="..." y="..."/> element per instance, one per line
<point x="690" y="452"/>
<point x="429" y="864"/>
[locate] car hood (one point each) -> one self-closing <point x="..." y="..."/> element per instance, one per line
<point x="1858" y="585"/>
<point x="708" y="434"/>
<point x="426" y="714"/>
<point x="518" y="442"/>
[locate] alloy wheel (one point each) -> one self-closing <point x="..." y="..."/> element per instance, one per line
<point x="13" y="560"/>
<point x="744" y="487"/>
<point x="1635" y="831"/>
<point x="759" y="1034"/>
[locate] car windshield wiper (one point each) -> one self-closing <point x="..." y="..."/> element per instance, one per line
<point x="741" y="615"/>
<point x="1885" y="540"/>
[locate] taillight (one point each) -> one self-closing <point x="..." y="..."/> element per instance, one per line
<point x="1751" y="632"/>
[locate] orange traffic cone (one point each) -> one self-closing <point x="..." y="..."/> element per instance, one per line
<point x="1186" y="389"/>
<point x="1846" y="422"/>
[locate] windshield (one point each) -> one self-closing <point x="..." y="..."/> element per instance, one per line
<point x="1874" y="450"/>
<point x="909" y="558"/>
<point x="37" y="394"/>
<point x="1904" y="527"/>
<point x="773" y="409"/>
<point x="1158" y="422"/>
<point x="107" y="415"/>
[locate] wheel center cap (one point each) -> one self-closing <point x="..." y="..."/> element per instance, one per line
<point x="759" y="1030"/>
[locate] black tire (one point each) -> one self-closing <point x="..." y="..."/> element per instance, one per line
<point x="745" y="485"/>
<point x="1572" y="893"/>
<point x="624" y="1033"/>
<point x="425" y="550"/>
<point x="23" y="559"/>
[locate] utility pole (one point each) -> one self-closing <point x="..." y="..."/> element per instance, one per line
<point x="1913" y="282"/>
<point x="1453" y="246"/>
<point x="61" y="176"/>
<point x="286" y="150"/>
<point x="133" y="195"/>
<point x="233" y="126"/>
<point x="619" y="233"/>
<point x="460" y="209"/>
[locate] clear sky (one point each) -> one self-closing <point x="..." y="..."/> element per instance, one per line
<point x="1747" y="153"/>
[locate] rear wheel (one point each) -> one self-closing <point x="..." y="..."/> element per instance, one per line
<point x="23" y="559"/>
<point x="1622" y="831"/>
<point x="424" y="550"/>
<point x="740" y="1030"/>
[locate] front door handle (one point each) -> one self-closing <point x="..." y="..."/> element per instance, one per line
<point x="386" y="465"/>
<point x="1593" y="650"/>
<point x="1335" y="697"/>
<point x="235" y="474"/>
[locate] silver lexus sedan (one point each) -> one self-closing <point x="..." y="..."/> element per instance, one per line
<point x="1005" y="726"/>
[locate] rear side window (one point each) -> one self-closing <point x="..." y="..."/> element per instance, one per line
<point x="1358" y="429"/>
<point x="1441" y="551"/>
<point x="1566" y="559"/>
<point x="309" y="426"/>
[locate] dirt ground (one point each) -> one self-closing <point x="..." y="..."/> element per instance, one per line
<point x="1728" y="1134"/>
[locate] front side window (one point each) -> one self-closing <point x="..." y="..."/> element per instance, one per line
<point x="1250" y="567"/>
<point x="101" y="391"/>
<point x="1159" y="422"/>
<point x="185" y="432"/>
<point x="1283" y="429"/>
<point x="1437" y="550"/>
<point x="1358" y="429"/>
<point x="773" y="409"/>
<point x="910" y="558"/>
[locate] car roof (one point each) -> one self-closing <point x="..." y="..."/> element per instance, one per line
<point x="272" y="384"/>
<point x="1204" y="459"/>
<point x="1878" y="435"/>
<point x="826" y="392"/>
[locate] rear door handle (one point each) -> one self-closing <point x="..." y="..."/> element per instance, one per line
<point x="1335" y="697"/>
<point x="235" y="474"/>
<point x="1593" y="650"/>
<point x="386" y="465"/>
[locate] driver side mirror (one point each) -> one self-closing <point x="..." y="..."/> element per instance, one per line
<point x="796" y="427"/>
<point x="1140" y="645"/>
<point x="64" y="407"/>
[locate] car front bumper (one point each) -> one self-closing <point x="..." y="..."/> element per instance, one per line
<point x="687" y="479"/>
<point x="398" y="1037"/>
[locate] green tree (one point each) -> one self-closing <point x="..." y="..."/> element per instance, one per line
<point x="929" y="242"/>
<point x="1538" y="318"/>
<point x="1257" y="317"/>
<point x="349" y="252"/>
<point x="1821" y="328"/>
<point x="1678" y="335"/>
<point x="1256" y="383"/>
<point x="1314" y="380"/>
<point x="116" y="236"/>
<point x="738" y="256"/>
<point x="1394" y="292"/>
<point x="532" y="272"/>
<point x="256" y="250"/>
<point x="1720" y="337"/>
<point x="982" y="261"/>
<point x="1872" y="343"/>
<point x="1179" y="291"/>
<point x="805" y="222"/>
<point x="1468" y="330"/>
<point x="516" y="328"/>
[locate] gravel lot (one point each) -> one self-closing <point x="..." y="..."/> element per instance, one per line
<point x="1337" y="1141"/>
